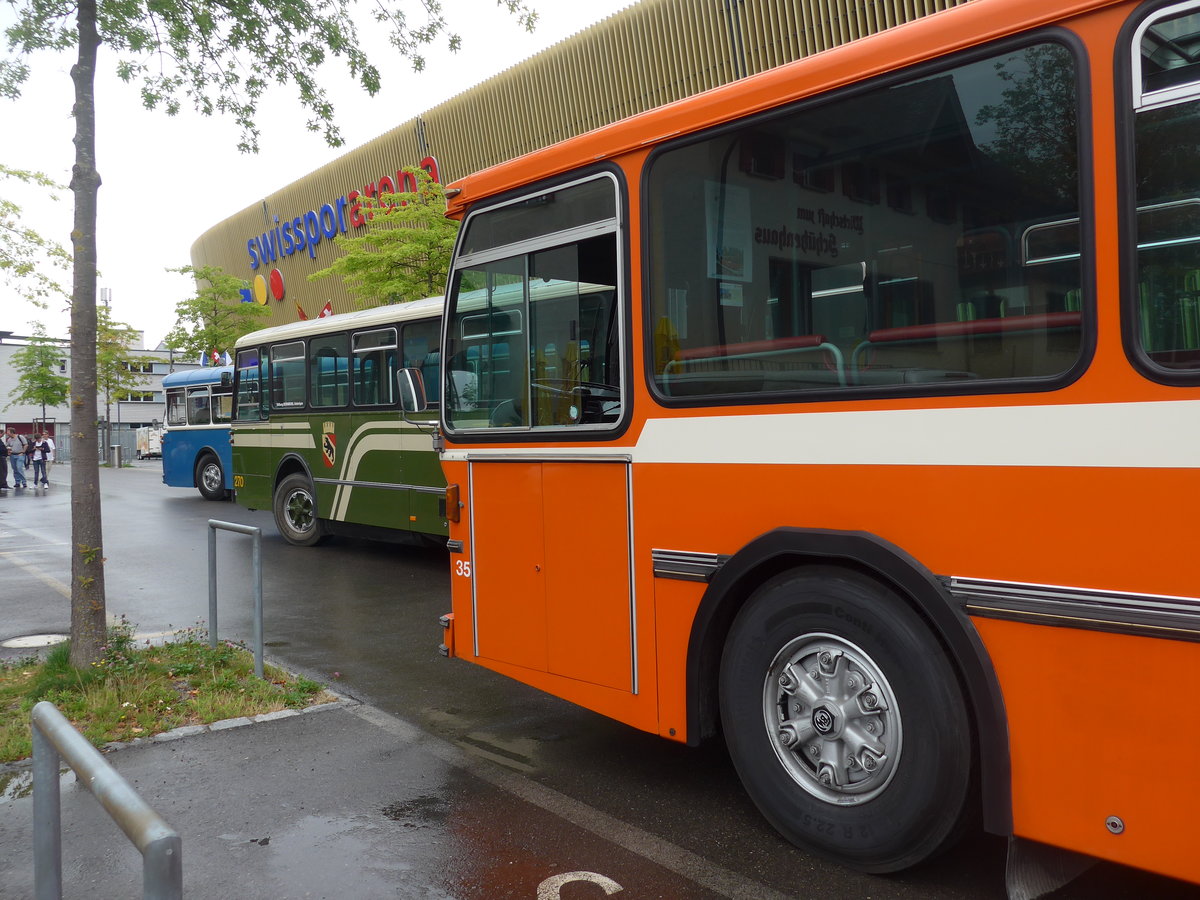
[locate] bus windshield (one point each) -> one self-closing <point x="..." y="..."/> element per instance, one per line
<point x="532" y="341"/>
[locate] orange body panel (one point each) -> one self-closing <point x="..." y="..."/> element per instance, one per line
<point x="1093" y="736"/>
<point x="1095" y="728"/>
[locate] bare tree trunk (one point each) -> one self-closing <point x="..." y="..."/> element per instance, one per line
<point x="88" y="615"/>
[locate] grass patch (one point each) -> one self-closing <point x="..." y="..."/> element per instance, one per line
<point x="139" y="691"/>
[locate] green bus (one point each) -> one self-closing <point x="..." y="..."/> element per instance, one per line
<point x="318" y="434"/>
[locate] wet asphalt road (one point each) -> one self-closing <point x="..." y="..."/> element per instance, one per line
<point x="362" y="617"/>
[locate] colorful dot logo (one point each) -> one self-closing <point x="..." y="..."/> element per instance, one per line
<point x="277" y="284"/>
<point x="260" y="290"/>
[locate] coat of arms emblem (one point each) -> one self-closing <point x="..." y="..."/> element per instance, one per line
<point x="328" y="445"/>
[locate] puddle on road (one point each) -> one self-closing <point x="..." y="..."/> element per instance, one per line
<point x="325" y="853"/>
<point x="16" y="785"/>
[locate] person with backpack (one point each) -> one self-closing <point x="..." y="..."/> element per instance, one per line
<point x="15" y="445"/>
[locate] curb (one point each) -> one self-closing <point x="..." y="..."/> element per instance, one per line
<point x="226" y="724"/>
<point x="341" y="702"/>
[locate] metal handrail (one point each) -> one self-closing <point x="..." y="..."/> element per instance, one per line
<point x="162" y="850"/>
<point x="256" y="562"/>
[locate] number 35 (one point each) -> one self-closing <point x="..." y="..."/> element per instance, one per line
<point x="462" y="568"/>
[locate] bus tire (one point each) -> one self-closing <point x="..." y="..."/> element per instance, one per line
<point x="845" y="720"/>
<point x="295" y="507"/>
<point x="210" y="478"/>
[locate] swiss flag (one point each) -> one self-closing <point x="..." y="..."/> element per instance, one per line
<point x="326" y="310"/>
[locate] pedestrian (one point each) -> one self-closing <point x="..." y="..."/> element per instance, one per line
<point x="43" y="453"/>
<point x="3" y="466"/>
<point x="16" y="457"/>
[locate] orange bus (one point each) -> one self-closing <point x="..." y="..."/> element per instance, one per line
<point x="850" y="411"/>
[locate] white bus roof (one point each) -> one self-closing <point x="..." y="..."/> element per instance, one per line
<point x="364" y="318"/>
<point x="205" y="375"/>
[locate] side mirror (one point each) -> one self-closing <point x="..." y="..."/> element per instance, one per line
<point x="411" y="385"/>
<point x="226" y="379"/>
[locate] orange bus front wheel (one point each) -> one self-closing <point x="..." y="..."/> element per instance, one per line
<point x="845" y="720"/>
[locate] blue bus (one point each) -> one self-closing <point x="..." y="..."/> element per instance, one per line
<point x="195" y="445"/>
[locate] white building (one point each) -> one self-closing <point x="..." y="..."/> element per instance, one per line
<point x="145" y="406"/>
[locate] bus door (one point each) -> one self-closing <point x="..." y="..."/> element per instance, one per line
<point x="551" y="549"/>
<point x="372" y="468"/>
<point x="423" y="481"/>
<point x="534" y="362"/>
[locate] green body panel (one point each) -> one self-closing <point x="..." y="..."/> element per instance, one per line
<point x="367" y="468"/>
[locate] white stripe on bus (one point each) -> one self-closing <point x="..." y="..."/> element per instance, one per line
<point x="1163" y="434"/>
<point x="1158" y="434"/>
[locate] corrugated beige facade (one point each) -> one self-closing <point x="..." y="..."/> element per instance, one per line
<point x="652" y="53"/>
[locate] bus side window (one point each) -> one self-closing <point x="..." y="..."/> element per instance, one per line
<point x="1164" y="311"/>
<point x="374" y="367"/>
<point x="176" y="407"/>
<point x="248" y="377"/>
<point x="198" y="406"/>
<point x="919" y="284"/>
<point x="328" y="370"/>
<point x="287" y="375"/>
<point x="420" y="343"/>
<point x="222" y="407"/>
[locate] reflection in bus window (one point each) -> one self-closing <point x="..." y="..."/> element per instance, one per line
<point x="903" y="266"/>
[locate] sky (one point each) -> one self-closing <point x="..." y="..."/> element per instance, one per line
<point x="166" y="180"/>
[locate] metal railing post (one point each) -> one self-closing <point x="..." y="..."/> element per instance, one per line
<point x="159" y="844"/>
<point x="47" y="820"/>
<point x="212" y="585"/>
<point x="256" y="563"/>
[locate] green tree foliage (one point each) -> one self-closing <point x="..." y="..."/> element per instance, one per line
<point x="404" y="253"/>
<point x="29" y="263"/>
<point x="220" y="58"/>
<point x="214" y="317"/>
<point x="38" y="381"/>
<point x="118" y="371"/>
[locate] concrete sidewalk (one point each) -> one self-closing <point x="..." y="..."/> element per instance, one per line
<point x="346" y="802"/>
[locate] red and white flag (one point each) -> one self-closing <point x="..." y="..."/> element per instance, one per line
<point x="326" y="310"/>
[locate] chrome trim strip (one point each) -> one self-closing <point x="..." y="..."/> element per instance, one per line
<point x="685" y="565"/>
<point x="418" y="488"/>
<point x="474" y="574"/>
<point x="629" y="561"/>
<point x="544" y="457"/>
<point x="1149" y="615"/>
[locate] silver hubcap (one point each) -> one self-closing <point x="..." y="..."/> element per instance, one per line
<point x="832" y="719"/>
<point x="299" y="510"/>
<point x="211" y="476"/>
